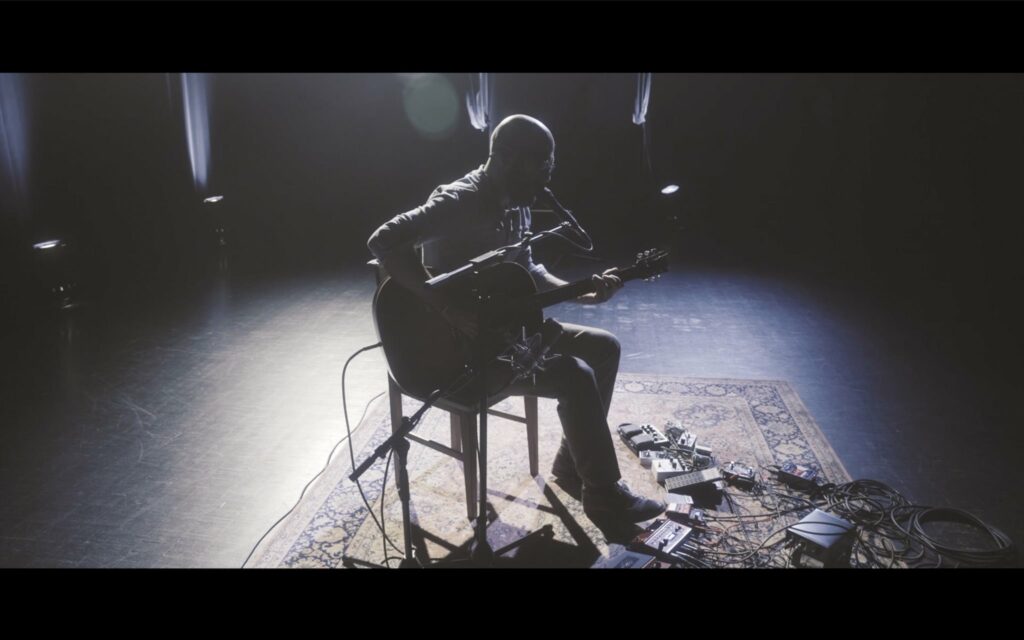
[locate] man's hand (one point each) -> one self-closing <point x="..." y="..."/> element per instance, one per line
<point x="605" y="286"/>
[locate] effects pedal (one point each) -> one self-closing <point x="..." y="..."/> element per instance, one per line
<point x="701" y="462"/>
<point x="798" y="476"/>
<point x="695" y="480"/>
<point x="641" y="437"/>
<point x="685" y="514"/>
<point x="678" y="498"/>
<point x="648" y="457"/>
<point x="666" y="468"/>
<point x="680" y="438"/>
<point x="662" y="537"/>
<point x="739" y="474"/>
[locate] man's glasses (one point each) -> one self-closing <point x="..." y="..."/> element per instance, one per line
<point x="532" y="167"/>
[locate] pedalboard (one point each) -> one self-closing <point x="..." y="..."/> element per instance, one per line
<point x="641" y="437"/>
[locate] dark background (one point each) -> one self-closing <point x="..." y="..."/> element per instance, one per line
<point x="904" y="185"/>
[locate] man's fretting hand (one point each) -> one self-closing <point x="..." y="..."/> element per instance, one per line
<point x="606" y="285"/>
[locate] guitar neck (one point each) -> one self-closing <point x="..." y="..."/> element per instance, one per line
<point x="562" y="294"/>
<point x="648" y="264"/>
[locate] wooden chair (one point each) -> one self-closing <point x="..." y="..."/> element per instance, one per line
<point x="463" y="419"/>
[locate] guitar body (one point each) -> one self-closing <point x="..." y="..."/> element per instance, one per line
<point x="424" y="352"/>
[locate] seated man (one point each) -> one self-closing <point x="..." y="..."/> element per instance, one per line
<point x="488" y="208"/>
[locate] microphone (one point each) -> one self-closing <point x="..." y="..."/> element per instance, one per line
<point x="528" y="355"/>
<point x="566" y="214"/>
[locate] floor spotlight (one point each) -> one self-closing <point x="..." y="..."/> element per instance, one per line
<point x="217" y="210"/>
<point x="669" y="205"/>
<point x="56" y="272"/>
<point x="218" y="219"/>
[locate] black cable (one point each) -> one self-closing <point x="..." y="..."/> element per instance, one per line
<point x="576" y="245"/>
<point x="913" y="555"/>
<point x="764" y="554"/>
<point x="889" y="531"/>
<point x="689" y="559"/>
<point x="733" y="507"/>
<point x="871" y="505"/>
<point x="893" y="526"/>
<point x="867" y="504"/>
<point x="769" y="490"/>
<point x="308" y="484"/>
<point x="864" y="502"/>
<point x="566" y="215"/>
<point x="383" y="522"/>
<point x="351" y="451"/>
<point x="1003" y="551"/>
<point x="381" y="525"/>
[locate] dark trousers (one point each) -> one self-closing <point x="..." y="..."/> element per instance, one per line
<point x="582" y="379"/>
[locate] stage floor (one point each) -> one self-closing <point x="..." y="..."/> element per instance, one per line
<point x="175" y="431"/>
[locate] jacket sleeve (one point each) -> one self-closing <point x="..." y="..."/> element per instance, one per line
<point x="413" y="228"/>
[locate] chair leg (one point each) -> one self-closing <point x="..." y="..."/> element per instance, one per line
<point x="395" y="400"/>
<point x="456" y="430"/>
<point x="467" y="425"/>
<point x="530" y="405"/>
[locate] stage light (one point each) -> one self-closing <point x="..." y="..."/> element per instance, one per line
<point x="670" y="189"/>
<point x="219" y="221"/>
<point x="479" y="100"/>
<point x="197" y="125"/>
<point x="14" y="140"/>
<point x="57" y="272"/>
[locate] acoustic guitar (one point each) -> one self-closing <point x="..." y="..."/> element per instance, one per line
<point x="425" y="352"/>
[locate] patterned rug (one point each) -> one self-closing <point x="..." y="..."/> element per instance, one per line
<point x="759" y="422"/>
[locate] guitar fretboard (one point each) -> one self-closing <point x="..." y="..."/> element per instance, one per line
<point x="561" y="294"/>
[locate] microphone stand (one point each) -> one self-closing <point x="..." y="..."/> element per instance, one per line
<point x="570" y="221"/>
<point x="472" y="268"/>
<point x="400" y="444"/>
<point x="520" y="356"/>
<point x="481" y="553"/>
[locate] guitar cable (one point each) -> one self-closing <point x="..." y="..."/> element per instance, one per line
<point x="330" y="456"/>
<point x="352" y="454"/>
<point x="567" y="216"/>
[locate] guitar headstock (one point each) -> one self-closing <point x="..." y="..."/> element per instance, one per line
<point x="649" y="265"/>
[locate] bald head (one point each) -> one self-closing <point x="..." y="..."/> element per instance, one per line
<point x="522" y="159"/>
<point x="521" y="137"/>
